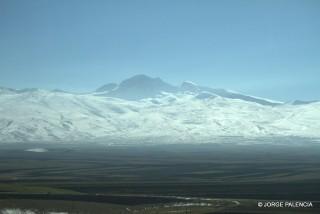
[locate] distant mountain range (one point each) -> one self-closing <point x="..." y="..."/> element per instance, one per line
<point x="142" y="108"/>
<point x="142" y="86"/>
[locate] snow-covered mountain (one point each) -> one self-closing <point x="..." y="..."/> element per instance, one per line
<point x="148" y="108"/>
<point x="141" y="86"/>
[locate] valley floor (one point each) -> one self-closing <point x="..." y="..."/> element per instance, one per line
<point x="195" y="178"/>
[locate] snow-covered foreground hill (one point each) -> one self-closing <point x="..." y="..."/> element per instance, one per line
<point x="38" y="116"/>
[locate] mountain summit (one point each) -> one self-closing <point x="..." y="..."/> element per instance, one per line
<point x="139" y="87"/>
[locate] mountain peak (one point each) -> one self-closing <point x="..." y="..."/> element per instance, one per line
<point x="139" y="87"/>
<point x="141" y="79"/>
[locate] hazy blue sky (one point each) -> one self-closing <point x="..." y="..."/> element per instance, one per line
<point x="265" y="48"/>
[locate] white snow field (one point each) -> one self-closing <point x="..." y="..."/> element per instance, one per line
<point x="183" y="116"/>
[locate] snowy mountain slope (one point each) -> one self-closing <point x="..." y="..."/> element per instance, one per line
<point x="235" y="95"/>
<point x="301" y="102"/>
<point x="39" y="115"/>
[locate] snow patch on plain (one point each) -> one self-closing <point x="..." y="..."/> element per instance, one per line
<point x="39" y="150"/>
<point x="19" y="211"/>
